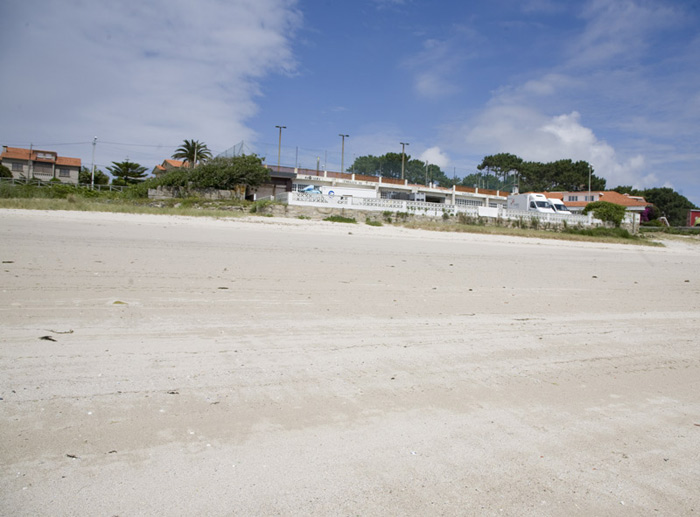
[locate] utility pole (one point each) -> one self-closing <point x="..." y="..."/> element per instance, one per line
<point x="279" y="146"/>
<point x="92" y="169"/>
<point x="342" y="153"/>
<point x="31" y="163"/>
<point x="403" y="156"/>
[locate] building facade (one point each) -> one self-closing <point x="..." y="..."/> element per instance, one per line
<point x="28" y="164"/>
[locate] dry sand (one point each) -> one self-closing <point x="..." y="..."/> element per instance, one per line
<point x="286" y="367"/>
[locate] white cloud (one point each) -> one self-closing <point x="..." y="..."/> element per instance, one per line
<point x="619" y="29"/>
<point x="435" y="156"/>
<point x="535" y="137"/>
<point x="433" y="69"/>
<point x="164" y="70"/>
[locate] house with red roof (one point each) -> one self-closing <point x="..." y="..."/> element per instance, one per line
<point x="41" y="165"/>
<point x="577" y="201"/>
<point x="167" y="166"/>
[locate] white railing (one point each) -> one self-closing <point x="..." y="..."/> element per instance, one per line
<point x="571" y="219"/>
<point x="432" y="209"/>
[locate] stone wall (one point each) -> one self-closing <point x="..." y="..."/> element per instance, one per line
<point x="210" y="194"/>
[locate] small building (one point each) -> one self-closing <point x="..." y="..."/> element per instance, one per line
<point x="41" y="165"/>
<point x="693" y="217"/>
<point x="167" y="166"/>
<point x="577" y="201"/>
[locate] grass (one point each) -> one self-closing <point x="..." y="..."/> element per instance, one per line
<point x="607" y="235"/>
<point x="340" y="219"/>
<point x="87" y="201"/>
<point x="116" y="206"/>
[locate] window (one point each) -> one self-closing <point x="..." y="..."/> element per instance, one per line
<point x="17" y="167"/>
<point x="469" y="202"/>
<point x="573" y="198"/>
<point x="64" y="173"/>
<point x="43" y="169"/>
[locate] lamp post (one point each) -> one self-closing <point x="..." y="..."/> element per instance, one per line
<point x="92" y="169"/>
<point x="403" y="156"/>
<point x="279" y="146"/>
<point x="342" y="153"/>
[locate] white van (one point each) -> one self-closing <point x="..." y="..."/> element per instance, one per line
<point x="558" y="206"/>
<point x="530" y="202"/>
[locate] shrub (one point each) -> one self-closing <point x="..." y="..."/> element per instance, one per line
<point x="463" y="218"/>
<point x="620" y="233"/>
<point x="373" y="223"/>
<point x="606" y="212"/>
<point x="259" y="206"/>
<point x="340" y="219"/>
<point x="226" y="173"/>
<point x="138" y="190"/>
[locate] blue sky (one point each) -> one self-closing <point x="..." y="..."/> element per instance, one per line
<point x="613" y="82"/>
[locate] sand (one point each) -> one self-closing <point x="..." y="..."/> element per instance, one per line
<point x="285" y="367"/>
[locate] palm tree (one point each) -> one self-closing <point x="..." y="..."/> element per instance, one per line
<point x="192" y="152"/>
<point x="126" y="172"/>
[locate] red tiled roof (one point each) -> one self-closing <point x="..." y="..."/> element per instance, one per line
<point x="608" y="195"/>
<point x="17" y="153"/>
<point x="173" y="163"/>
<point x="68" y="162"/>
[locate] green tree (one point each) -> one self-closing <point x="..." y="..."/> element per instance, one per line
<point x="482" y="181"/>
<point x="227" y="172"/>
<point x="126" y="173"/>
<point x="5" y="172"/>
<point x="670" y="203"/>
<point x="85" y="177"/>
<point x="607" y="212"/>
<point x="192" y="152"/>
<point x="563" y="175"/>
<point x="389" y="166"/>
<point x="502" y="165"/>
<point x="667" y="201"/>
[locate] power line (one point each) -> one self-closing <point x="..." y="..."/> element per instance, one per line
<point x="136" y="145"/>
<point x="47" y="145"/>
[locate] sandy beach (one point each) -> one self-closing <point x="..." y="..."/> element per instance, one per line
<point x="159" y="365"/>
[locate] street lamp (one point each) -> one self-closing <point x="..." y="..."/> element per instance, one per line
<point x="92" y="169"/>
<point x="342" y="153"/>
<point x="279" y="146"/>
<point x="403" y="155"/>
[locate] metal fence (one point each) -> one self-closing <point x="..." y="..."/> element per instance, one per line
<point x="41" y="183"/>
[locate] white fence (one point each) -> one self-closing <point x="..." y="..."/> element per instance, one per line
<point x="430" y="209"/>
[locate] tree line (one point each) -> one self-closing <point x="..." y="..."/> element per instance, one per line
<point x="505" y="171"/>
<point x="199" y="170"/>
<point x="502" y="171"/>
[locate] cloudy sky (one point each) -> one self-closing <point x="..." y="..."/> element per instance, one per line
<point x="613" y="82"/>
